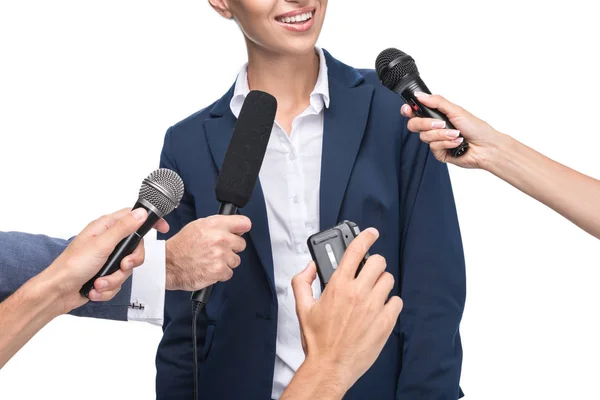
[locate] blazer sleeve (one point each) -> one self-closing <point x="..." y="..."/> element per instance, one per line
<point x="23" y="256"/>
<point x="433" y="282"/>
<point x="174" y="358"/>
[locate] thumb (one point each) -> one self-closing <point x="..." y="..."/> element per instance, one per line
<point x="122" y="228"/>
<point x="302" y="285"/>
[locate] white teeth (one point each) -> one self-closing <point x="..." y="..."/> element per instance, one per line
<point x="298" y="18"/>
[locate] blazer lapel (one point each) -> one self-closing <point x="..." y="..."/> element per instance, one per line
<point x="219" y="130"/>
<point x="345" y="124"/>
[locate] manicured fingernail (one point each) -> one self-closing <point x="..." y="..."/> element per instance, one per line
<point x="421" y="94"/>
<point x="139" y="214"/>
<point x="373" y="231"/>
<point x="458" y="140"/>
<point x="452" y="133"/>
<point x="438" y="124"/>
<point x="405" y="109"/>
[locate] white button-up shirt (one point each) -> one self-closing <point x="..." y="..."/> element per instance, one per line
<point x="290" y="179"/>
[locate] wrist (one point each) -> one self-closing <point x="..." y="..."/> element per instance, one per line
<point x="331" y="377"/>
<point x="492" y="154"/>
<point x="171" y="281"/>
<point x="47" y="294"/>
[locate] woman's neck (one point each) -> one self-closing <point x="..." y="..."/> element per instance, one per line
<point x="291" y="79"/>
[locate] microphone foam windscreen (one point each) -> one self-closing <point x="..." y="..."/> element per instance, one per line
<point x="247" y="149"/>
<point x="163" y="189"/>
<point x="393" y="65"/>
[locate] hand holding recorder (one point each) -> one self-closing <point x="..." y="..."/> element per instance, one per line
<point x="344" y="331"/>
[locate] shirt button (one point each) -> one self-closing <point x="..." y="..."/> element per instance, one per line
<point x="308" y="225"/>
<point x="296" y="200"/>
<point x="292" y="156"/>
<point x="304" y="248"/>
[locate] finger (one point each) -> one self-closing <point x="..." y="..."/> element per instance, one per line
<point x="439" y="102"/>
<point x="103" y="223"/>
<point x="226" y="275"/>
<point x="303" y="293"/>
<point x="233" y="260"/>
<point x="162" y="226"/>
<point x="439" y="135"/>
<point x="425" y="124"/>
<point x="103" y="296"/>
<point x="383" y="287"/>
<point x="112" y="282"/>
<point x="237" y="243"/>
<point x="122" y="228"/>
<point x="407" y="111"/>
<point x="446" y="145"/>
<point x="374" y="267"/>
<point x="135" y="259"/>
<point x="355" y="253"/>
<point x="391" y="312"/>
<point x="237" y="224"/>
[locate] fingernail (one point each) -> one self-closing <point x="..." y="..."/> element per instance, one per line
<point x="139" y="214"/>
<point x="458" y="140"/>
<point x="452" y="133"/>
<point x="102" y="284"/>
<point x="421" y="94"/>
<point x="405" y="109"/>
<point x="94" y="295"/>
<point x="438" y="124"/>
<point x="373" y="231"/>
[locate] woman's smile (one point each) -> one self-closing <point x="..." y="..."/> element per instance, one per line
<point x="297" y="21"/>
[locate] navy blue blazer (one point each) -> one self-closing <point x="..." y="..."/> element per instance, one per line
<point x="375" y="173"/>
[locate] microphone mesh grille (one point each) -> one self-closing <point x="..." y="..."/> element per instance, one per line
<point x="167" y="199"/>
<point x="390" y="77"/>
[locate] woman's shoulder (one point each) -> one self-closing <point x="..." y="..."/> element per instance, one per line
<point x="192" y="121"/>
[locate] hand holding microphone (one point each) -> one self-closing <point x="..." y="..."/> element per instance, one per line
<point x="160" y="194"/>
<point x="56" y="290"/>
<point x="89" y="251"/>
<point x="484" y="140"/>
<point x="344" y="331"/>
<point x="205" y="251"/>
<point x="398" y="72"/>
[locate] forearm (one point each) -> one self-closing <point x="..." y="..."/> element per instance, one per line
<point x="568" y="192"/>
<point x="24" y="313"/>
<point x="315" y="381"/>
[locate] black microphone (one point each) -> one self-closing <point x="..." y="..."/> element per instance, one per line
<point x="238" y="177"/>
<point x="398" y="72"/>
<point x="243" y="160"/>
<point x="160" y="194"/>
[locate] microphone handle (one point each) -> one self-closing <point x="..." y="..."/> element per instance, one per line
<point x="203" y="295"/>
<point x="124" y="248"/>
<point x="407" y="88"/>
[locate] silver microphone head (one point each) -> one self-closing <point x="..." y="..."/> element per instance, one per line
<point x="163" y="189"/>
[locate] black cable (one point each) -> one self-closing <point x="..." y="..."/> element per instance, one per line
<point x="196" y="307"/>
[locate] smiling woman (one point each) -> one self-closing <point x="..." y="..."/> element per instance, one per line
<point x="339" y="150"/>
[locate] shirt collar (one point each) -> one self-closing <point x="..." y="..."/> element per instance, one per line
<point x="319" y="97"/>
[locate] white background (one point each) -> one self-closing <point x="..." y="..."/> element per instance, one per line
<point x="88" y="88"/>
